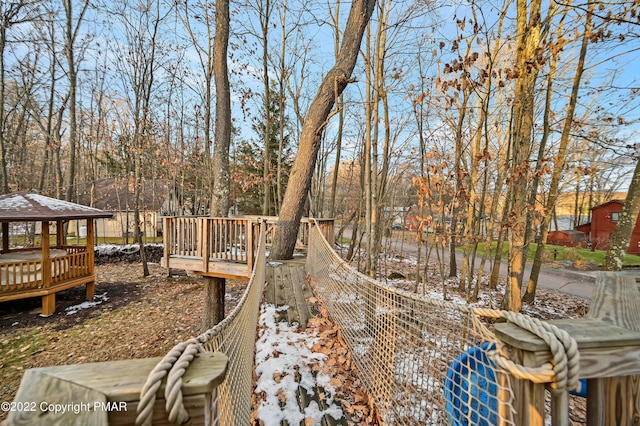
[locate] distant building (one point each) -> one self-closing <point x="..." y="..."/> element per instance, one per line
<point x="567" y="238"/>
<point x="157" y="199"/>
<point x="604" y="219"/>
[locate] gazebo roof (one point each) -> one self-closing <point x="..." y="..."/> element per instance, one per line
<point x="34" y="207"/>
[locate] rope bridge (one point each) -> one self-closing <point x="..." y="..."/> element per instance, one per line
<point x="422" y="361"/>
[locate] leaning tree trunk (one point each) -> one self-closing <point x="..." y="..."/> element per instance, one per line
<point x="330" y="89"/>
<point x="559" y="167"/>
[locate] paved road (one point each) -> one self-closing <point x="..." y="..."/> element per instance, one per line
<point x="575" y="282"/>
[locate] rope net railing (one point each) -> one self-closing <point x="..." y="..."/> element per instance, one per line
<point x="429" y="361"/>
<point x="235" y="337"/>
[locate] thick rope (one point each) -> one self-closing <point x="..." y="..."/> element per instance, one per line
<point x="151" y="386"/>
<point x="564" y="350"/>
<point x="173" y="389"/>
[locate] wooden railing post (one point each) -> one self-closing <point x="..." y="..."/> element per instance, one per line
<point x="5" y="237"/>
<point x="250" y="229"/>
<point x="167" y="239"/>
<point x="205" y="242"/>
<point x="49" y="300"/>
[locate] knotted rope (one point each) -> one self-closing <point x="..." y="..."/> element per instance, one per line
<point x="563" y="370"/>
<point x="173" y="365"/>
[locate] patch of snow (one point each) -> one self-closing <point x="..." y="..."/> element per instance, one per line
<point x="274" y="263"/>
<point x="98" y="299"/>
<point x="109" y="249"/>
<point x="282" y="353"/>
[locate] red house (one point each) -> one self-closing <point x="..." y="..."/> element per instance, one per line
<point x="567" y="238"/>
<point x="604" y="219"/>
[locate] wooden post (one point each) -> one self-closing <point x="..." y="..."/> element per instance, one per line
<point x="205" y="242"/>
<point x="167" y="237"/>
<point x="91" y="259"/>
<point x="5" y="237"/>
<point x="49" y="300"/>
<point x="60" y="240"/>
<point x="109" y="392"/>
<point x="250" y="228"/>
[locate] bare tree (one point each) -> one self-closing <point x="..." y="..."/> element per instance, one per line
<point x="527" y="63"/>
<point x="138" y="64"/>
<point x="11" y="14"/>
<point x="70" y="38"/>
<point x="215" y="288"/>
<point x="559" y="163"/>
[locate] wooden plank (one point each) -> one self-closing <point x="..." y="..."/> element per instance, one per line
<point x="219" y="269"/>
<point x="616" y="300"/>
<point x="528" y="397"/>
<point x="112" y="382"/>
<point x="123" y="380"/>
<point x="588" y="333"/>
<point x="297" y="281"/>
<point x="40" y="395"/>
<point x="126" y="416"/>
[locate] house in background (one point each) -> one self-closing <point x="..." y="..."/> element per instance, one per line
<point x="567" y="238"/>
<point x="158" y="198"/>
<point x="604" y="219"/>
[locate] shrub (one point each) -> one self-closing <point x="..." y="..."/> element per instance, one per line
<point x="571" y="253"/>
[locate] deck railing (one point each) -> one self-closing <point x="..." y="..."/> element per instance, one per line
<point x="230" y="239"/>
<point x="25" y="275"/>
<point x="71" y="266"/>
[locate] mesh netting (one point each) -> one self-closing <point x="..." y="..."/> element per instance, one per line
<point x="423" y="361"/>
<point x="236" y="337"/>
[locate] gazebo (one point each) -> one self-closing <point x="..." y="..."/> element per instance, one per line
<point x="44" y="270"/>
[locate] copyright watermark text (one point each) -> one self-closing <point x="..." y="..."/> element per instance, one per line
<point x="62" y="408"/>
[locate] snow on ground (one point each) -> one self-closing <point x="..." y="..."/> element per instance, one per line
<point x="109" y="249"/>
<point x="284" y="361"/>
<point x="98" y="299"/>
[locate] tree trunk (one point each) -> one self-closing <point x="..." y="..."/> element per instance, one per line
<point x="215" y="288"/>
<point x="527" y="41"/>
<point x="559" y="166"/>
<point x="330" y="89"/>
<point x="619" y="241"/>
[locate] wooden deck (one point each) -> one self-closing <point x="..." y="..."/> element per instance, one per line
<point x="25" y="274"/>
<point x="223" y="247"/>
